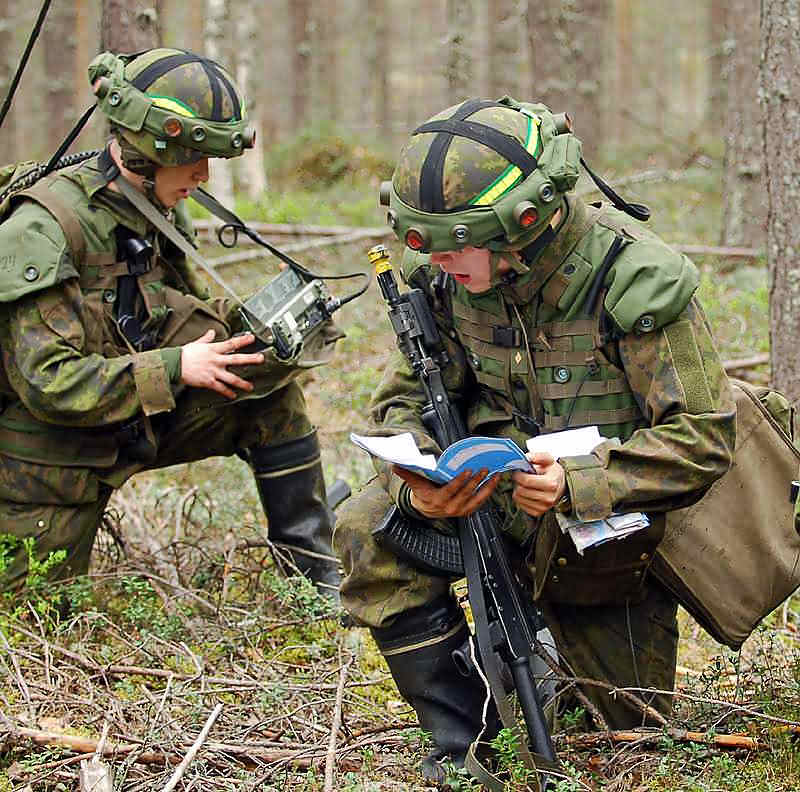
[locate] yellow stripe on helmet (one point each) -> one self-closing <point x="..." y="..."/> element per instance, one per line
<point x="511" y="175"/>
<point x="174" y="105"/>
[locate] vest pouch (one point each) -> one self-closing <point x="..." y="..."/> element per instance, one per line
<point x="734" y="556"/>
<point x="610" y="574"/>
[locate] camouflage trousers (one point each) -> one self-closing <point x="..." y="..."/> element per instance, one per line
<point x="629" y="645"/>
<point x="61" y="505"/>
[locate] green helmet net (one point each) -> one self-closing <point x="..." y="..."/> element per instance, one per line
<point x="482" y="174"/>
<point x="170" y="107"/>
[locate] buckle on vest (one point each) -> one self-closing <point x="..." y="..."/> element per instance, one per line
<point x="526" y="424"/>
<point x="506" y="336"/>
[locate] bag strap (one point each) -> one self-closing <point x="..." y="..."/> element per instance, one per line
<point x="62" y="212"/>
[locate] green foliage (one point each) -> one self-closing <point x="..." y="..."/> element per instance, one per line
<point x="506" y="746"/>
<point x="142" y="609"/>
<point x="46" y="600"/>
<point x="321" y="156"/>
<point x="298" y="596"/>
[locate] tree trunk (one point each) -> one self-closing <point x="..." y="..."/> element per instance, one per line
<point x="720" y="53"/>
<point x="567" y="60"/>
<point x="780" y="64"/>
<point x="251" y="172"/>
<point x="218" y="41"/>
<point x="129" y="25"/>
<point x="460" y="65"/>
<point x="301" y="60"/>
<point x="59" y="40"/>
<point x="745" y="206"/>
<point x="504" y="31"/>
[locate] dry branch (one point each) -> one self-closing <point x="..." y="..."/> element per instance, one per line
<point x="746" y="363"/>
<point x="599" y="739"/>
<point x="251" y="756"/>
<point x="192" y="752"/>
<point x="354" y="235"/>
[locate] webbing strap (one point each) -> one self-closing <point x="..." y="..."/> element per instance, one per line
<point x="144" y="206"/>
<point x="66" y="217"/>
<point x="431" y="186"/>
<point x="505" y="145"/>
<point x="472" y="569"/>
<point x="589" y="417"/>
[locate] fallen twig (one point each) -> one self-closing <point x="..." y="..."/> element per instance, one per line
<point x="330" y="759"/>
<point x="593" y="740"/>
<point x="192" y="752"/>
<point x="746" y="363"/>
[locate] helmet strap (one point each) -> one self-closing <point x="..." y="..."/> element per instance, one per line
<point x="133" y="159"/>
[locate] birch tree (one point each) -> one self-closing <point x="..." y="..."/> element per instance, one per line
<point x="59" y="39"/>
<point x="780" y="64"/>
<point x="460" y="64"/>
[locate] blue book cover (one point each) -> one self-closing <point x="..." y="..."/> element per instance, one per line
<point x="496" y="454"/>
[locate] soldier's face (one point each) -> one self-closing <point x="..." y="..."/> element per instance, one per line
<point x="469" y="266"/>
<point x="176" y="182"/>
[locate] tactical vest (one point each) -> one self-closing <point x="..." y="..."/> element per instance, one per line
<point x="169" y="299"/>
<point x="548" y="364"/>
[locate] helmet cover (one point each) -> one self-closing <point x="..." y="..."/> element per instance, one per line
<point x="483" y="174"/>
<point x="171" y="106"/>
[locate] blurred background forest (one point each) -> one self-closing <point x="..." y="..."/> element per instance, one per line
<point x="678" y="78"/>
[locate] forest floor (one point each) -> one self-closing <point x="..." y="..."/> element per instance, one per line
<point x="183" y="611"/>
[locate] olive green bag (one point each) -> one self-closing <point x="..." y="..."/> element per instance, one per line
<point x="734" y="556"/>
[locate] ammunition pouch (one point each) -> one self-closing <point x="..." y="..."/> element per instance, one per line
<point x="611" y="573"/>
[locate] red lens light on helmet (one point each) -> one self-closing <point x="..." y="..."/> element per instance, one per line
<point x="525" y="214"/>
<point x="172" y="127"/>
<point x="414" y="239"/>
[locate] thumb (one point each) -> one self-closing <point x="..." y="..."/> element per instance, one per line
<point x="207" y="337"/>
<point x="541" y="458"/>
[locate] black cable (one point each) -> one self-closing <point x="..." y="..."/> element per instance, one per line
<point x="12" y="89"/>
<point x="67" y="142"/>
<point x="32" y="176"/>
<point x="233" y="225"/>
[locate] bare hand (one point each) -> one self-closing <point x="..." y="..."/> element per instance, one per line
<point x="457" y="498"/>
<point x="535" y="493"/>
<point x="204" y="364"/>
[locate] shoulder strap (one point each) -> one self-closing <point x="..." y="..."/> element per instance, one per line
<point x="62" y="212"/>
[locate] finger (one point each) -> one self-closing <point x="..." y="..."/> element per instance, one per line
<point x="483" y="494"/>
<point x="234" y="342"/>
<point x="242" y="359"/>
<point x="531" y="481"/>
<point x="234" y="381"/>
<point x="207" y="337"/>
<point x="221" y="387"/>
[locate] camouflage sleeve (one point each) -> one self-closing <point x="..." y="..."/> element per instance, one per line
<point x="46" y="362"/>
<point x="680" y="385"/>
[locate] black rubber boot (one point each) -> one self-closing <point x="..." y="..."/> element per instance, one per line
<point x="448" y="696"/>
<point x="292" y="491"/>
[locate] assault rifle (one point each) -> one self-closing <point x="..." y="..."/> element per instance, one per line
<point x="506" y="621"/>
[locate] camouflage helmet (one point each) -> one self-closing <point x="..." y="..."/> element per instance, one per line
<point x="170" y="107"/>
<point x="482" y="174"/>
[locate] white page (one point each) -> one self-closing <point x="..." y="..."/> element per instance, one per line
<point x="570" y="442"/>
<point x="401" y="448"/>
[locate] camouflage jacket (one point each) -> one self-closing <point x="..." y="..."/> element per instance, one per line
<point x="67" y="367"/>
<point x="641" y="365"/>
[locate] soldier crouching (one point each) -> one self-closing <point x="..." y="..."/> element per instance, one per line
<point x="555" y="314"/>
<point x="116" y="362"/>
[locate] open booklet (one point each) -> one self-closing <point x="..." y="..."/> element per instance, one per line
<point x="496" y="454"/>
<point x="500" y="455"/>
